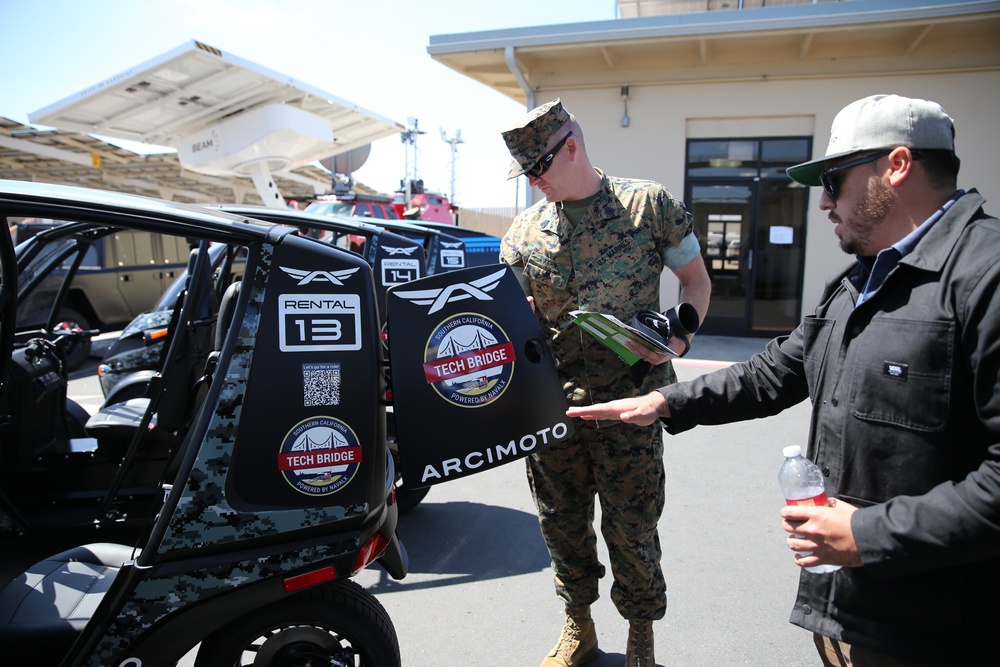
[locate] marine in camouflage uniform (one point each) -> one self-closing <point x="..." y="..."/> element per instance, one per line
<point x="605" y="254"/>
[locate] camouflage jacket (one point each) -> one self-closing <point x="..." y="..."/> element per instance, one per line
<point x="611" y="263"/>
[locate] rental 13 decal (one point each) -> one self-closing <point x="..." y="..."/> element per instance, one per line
<point x="319" y="322"/>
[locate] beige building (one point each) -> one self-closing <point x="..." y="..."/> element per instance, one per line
<point x="715" y="98"/>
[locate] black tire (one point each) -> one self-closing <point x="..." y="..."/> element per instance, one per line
<point x="78" y="351"/>
<point x="406" y="497"/>
<point x="336" y="624"/>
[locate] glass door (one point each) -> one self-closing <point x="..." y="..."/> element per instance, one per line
<point x="723" y="222"/>
<point x="779" y="258"/>
<point x="750" y="219"/>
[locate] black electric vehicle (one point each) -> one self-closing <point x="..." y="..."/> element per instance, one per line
<point x="249" y="495"/>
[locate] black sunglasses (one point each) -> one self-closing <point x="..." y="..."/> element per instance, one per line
<point x="545" y="162"/>
<point x="831" y="185"/>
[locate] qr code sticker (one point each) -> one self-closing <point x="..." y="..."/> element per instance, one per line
<point x="320" y="384"/>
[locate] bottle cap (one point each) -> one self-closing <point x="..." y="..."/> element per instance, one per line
<point x="791" y="451"/>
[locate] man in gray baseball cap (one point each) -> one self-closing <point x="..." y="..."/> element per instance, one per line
<point x="901" y="364"/>
<point x="881" y="122"/>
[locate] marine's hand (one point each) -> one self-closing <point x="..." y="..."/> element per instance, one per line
<point x="641" y="410"/>
<point x="825" y="531"/>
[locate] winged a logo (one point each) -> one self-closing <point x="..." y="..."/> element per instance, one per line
<point x="446" y="244"/>
<point x="437" y="298"/>
<point x="305" y="277"/>
<point x="399" y="251"/>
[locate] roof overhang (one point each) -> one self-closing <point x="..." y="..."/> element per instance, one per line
<point x="814" y="40"/>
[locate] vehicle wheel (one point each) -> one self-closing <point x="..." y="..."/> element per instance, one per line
<point x="406" y="497"/>
<point x="337" y="624"/>
<point x="78" y="350"/>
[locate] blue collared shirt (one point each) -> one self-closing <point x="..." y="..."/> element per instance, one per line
<point x="885" y="261"/>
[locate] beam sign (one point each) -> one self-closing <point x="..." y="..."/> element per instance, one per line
<point x="474" y="386"/>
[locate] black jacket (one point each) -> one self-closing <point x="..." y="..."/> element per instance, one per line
<point x="905" y="425"/>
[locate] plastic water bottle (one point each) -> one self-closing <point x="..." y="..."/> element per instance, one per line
<point x="802" y="483"/>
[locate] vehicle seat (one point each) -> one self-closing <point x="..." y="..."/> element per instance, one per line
<point x="119" y="421"/>
<point x="183" y="361"/>
<point x="227" y="308"/>
<point x="44" y="609"/>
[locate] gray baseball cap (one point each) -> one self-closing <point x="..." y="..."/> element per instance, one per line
<point x="881" y="121"/>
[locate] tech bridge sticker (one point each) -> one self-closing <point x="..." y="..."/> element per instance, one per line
<point x="473" y="384"/>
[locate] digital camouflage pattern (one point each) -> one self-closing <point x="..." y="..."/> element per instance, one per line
<point x="625" y="464"/>
<point x="610" y="263"/>
<point x="526" y="141"/>
<point x="202" y="515"/>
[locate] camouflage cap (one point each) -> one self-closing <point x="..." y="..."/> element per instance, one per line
<point x="527" y="140"/>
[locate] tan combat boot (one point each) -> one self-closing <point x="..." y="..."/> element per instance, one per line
<point x="640" y="644"/>
<point x="578" y="642"/>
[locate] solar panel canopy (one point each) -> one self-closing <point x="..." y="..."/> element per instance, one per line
<point x="224" y="115"/>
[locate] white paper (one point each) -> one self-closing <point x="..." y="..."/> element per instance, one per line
<point x="781" y="235"/>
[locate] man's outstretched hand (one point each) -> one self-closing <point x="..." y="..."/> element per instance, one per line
<point x="641" y="410"/>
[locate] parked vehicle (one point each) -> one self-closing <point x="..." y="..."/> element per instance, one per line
<point x="263" y="503"/>
<point x="425" y="207"/>
<point x="136" y="356"/>
<point x="121" y="274"/>
<point x="444" y="251"/>
<point x="395" y="260"/>
<point x="480" y="248"/>
<point x="378" y="207"/>
<point x="429" y="211"/>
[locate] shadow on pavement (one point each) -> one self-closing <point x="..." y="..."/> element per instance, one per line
<point x="609" y="660"/>
<point x="461" y="542"/>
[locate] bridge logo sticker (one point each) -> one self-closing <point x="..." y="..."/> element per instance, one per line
<point x="319" y="456"/>
<point x="469" y="360"/>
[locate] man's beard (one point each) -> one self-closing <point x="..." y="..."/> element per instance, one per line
<point x="867" y="214"/>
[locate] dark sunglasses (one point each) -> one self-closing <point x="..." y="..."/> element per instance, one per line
<point x="545" y="162"/>
<point x="831" y="182"/>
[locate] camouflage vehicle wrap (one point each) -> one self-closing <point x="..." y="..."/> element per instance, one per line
<point x="283" y="481"/>
<point x="210" y="510"/>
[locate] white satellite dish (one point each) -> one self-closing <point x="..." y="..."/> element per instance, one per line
<point x="349" y="162"/>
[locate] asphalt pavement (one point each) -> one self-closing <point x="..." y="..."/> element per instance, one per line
<point x="479" y="589"/>
<point x="480" y="592"/>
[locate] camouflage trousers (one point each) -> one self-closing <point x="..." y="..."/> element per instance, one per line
<point x="622" y="465"/>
